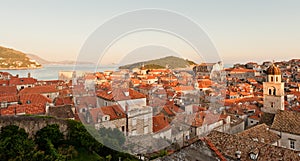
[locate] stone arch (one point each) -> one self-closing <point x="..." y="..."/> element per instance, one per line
<point x="272" y="90"/>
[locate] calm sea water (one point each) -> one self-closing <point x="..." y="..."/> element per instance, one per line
<point x="50" y="72"/>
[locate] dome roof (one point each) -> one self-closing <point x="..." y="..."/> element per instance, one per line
<point x="273" y="70"/>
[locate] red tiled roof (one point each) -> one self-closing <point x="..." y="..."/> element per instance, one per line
<point x="114" y="111"/>
<point x="168" y="111"/>
<point x="239" y="70"/>
<point x="31" y="109"/>
<point x="160" y="123"/>
<point x="8" y="90"/>
<point x="260" y="132"/>
<point x="9" y="98"/>
<point x="287" y="121"/>
<point x="63" y="101"/>
<point x="21" y="81"/>
<point x="34" y="99"/>
<point x="39" y="89"/>
<point x="118" y="94"/>
<point x="4" y="82"/>
<point x="214" y="148"/>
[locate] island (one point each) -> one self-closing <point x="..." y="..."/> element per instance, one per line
<point x="13" y="59"/>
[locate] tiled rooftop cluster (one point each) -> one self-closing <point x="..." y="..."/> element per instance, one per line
<point x="174" y="104"/>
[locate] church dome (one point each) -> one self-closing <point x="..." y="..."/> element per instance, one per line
<point x="273" y="70"/>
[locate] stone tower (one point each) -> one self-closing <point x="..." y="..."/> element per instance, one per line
<point x="273" y="91"/>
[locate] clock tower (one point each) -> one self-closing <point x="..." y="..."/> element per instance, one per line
<point x="273" y="91"/>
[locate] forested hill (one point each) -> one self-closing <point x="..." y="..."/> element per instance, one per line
<point x="13" y="59"/>
<point x="170" y="61"/>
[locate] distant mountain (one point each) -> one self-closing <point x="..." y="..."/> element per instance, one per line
<point x="46" y="62"/>
<point x="13" y="59"/>
<point x="170" y="61"/>
<point x="38" y="59"/>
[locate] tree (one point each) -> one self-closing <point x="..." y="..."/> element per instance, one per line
<point x="80" y="137"/>
<point x="112" y="138"/>
<point x="15" y="144"/>
<point x="50" y="133"/>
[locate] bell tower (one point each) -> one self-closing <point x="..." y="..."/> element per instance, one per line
<point x="273" y="91"/>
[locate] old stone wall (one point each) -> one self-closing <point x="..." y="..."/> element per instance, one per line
<point x="32" y="124"/>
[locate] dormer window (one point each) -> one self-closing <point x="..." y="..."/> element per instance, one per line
<point x="292" y="143"/>
<point x="3" y="104"/>
<point x="28" y="102"/>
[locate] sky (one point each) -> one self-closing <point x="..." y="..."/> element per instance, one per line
<point x="242" y="31"/>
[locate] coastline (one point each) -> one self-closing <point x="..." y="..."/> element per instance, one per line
<point x="23" y="68"/>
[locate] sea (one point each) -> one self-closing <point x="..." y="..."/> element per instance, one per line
<point x="50" y="72"/>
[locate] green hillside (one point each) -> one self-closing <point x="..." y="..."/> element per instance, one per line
<point x="170" y="61"/>
<point x="12" y="59"/>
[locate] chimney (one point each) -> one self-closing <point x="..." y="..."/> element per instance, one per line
<point x="238" y="155"/>
<point x="29" y="75"/>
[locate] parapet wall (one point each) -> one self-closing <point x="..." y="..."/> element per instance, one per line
<point x="32" y="124"/>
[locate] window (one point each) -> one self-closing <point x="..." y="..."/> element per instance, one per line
<point x="274" y="92"/>
<point x="272" y="104"/>
<point x="270" y="91"/>
<point x="123" y="128"/>
<point x="133" y="132"/>
<point x="251" y="122"/>
<point x="272" y="79"/>
<point x="133" y="121"/>
<point x="146" y="130"/>
<point x="187" y="137"/>
<point x="292" y="143"/>
<point x="277" y="79"/>
<point x="3" y="104"/>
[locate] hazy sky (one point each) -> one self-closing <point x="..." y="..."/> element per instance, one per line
<point x="253" y="30"/>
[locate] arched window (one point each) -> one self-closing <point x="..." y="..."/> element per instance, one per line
<point x="270" y="91"/>
<point x="276" y="78"/>
<point x="274" y="91"/>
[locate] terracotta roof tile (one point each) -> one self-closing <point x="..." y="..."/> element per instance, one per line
<point x="21" y="81"/>
<point x="32" y="109"/>
<point x="114" y="111"/>
<point x="9" y="98"/>
<point x="39" y="89"/>
<point x="160" y="123"/>
<point x="34" y="99"/>
<point x="63" y="101"/>
<point x="228" y="145"/>
<point x="287" y="121"/>
<point x="8" y="90"/>
<point x="118" y="94"/>
<point x="260" y="133"/>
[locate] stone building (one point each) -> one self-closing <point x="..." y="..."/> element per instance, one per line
<point x="273" y="91"/>
<point x="133" y="103"/>
<point x="286" y="125"/>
